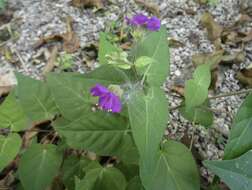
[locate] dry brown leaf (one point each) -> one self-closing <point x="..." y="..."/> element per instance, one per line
<point x="88" y="3"/>
<point x="234" y="58"/>
<point x="70" y="40"/>
<point x="213" y="28"/>
<point x="208" y="58"/>
<point x="51" y="61"/>
<point x="7" y="82"/>
<point x="178" y="89"/>
<point x="152" y="7"/>
<point x="245" y="76"/>
<point x="173" y="43"/>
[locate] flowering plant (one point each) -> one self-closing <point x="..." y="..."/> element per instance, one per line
<point x="103" y="130"/>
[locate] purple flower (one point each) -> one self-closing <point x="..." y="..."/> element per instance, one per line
<point x="153" y="24"/>
<point x="137" y="20"/>
<point x="107" y="100"/>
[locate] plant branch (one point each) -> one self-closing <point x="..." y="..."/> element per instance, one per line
<point x="231" y="94"/>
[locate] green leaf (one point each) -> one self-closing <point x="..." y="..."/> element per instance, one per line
<point x="175" y="169"/>
<point x="105" y="48"/>
<point x="148" y="126"/>
<point x="155" y="46"/>
<point x="73" y="166"/>
<point x="100" y="132"/>
<point x="71" y="91"/>
<point x="35" y="99"/>
<point x="102" y="178"/>
<point x="144" y="61"/>
<point x="196" y="89"/>
<point x="199" y="115"/>
<point x="240" y="140"/>
<point x="9" y="148"/>
<point x="129" y="170"/>
<point x="12" y="115"/>
<point x="135" y="184"/>
<point x="38" y="166"/>
<point x="236" y="173"/>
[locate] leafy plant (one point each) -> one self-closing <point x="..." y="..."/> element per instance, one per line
<point x="104" y="129"/>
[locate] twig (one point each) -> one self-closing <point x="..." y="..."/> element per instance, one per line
<point x="230" y="94"/>
<point x="21" y="60"/>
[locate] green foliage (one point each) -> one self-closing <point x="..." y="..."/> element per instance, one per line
<point x="196" y="89"/>
<point x="198" y="115"/>
<point x="155" y="46"/>
<point x="9" y="148"/>
<point x="38" y="166"/>
<point x="175" y="169"/>
<point x="65" y="61"/>
<point x="2" y="4"/>
<point x="35" y="99"/>
<point x="12" y="115"/>
<point x="236" y="173"/>
<point x="105" y="48"/>
<point x="148" y="127"/>
<point x="240" y="140"/>
<point x="102" y="178"/>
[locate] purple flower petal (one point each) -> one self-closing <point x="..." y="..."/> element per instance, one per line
<point x="117" y="106"/>
<point x="98" y="90"/>
<point x="153" y="24"/>
<point x="137" y="20"/>
<point x="107" y="100"/>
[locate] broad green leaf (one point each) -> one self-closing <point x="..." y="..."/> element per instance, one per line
<point x="88" y="182"/>
<point x="100" y="132"/>
<point x="38" y="166"/>
<point x="71" y="91"/>
<point x="199" y="115"/>
<point x="196" y="89"/>
<point x="148" y="125"/>
<point x="73" y="166"/>
<point x="129" y="170"/>
<point x="105" y="48"/>
<point x="102" y="178"/>
<point x="155" y="46"/>
<point x="175" y="169"/>
<point x="35" y="99"/>
<point x="236" y="173"/>
<point x="135" y="184"/>
<point x="240" y="140"/>
<point x="12" y="115"/>
<point x="9" y="148"/>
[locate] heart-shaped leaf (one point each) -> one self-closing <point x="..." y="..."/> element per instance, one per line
<point x="236" y="173"/>
<point x="240" y="140"/>
<point x="38" y="166"/>
<point x="9" y="148"/>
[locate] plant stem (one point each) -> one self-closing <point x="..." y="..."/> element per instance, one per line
<point x="231" y="94"/>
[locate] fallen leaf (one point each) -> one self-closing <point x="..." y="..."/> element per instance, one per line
<point x="178" y="89"/>
<point x="88" y="3"/>
<point x="208" y="58"/>
<point x="70" y="40"/>
<point x="173" y="43"/>
<point x="234" y="58"/>
<point x="51" y="61"/>
<point x="7" y="82"/>
<point x="245" y="76"/>
<point x="152" y="7"/>
<point x="214" y="30"/>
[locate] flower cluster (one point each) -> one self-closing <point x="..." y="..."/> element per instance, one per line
<point x="152" y="23"/>
<point x="107" y="100"/>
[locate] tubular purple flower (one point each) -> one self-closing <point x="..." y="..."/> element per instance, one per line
<point x="153" y="24"/>
<point x="107" y="100"/>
